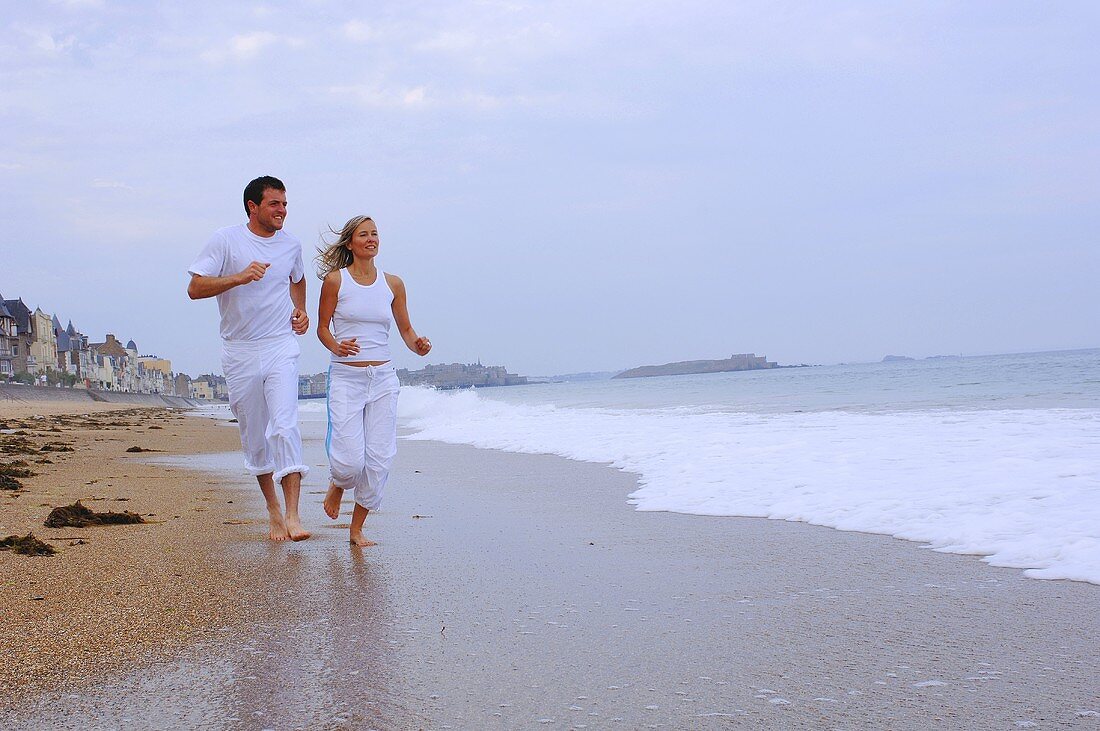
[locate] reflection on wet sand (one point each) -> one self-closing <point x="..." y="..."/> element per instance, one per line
<point x="327" y="661"/>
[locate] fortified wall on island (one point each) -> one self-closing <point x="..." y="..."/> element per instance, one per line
<point x="740" y="362"/>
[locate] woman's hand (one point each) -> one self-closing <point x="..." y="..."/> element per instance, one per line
<point x="423" y="346"/>
<point x="346" y="348"/>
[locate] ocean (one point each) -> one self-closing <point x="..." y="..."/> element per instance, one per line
<point x="996" y="456"/>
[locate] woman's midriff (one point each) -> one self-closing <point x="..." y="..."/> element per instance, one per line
<point x="364" y="363"/>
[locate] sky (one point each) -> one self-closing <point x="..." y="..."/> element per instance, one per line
<point x="572" y="186"/>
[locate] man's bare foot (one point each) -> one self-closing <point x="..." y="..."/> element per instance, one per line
<point x="332" y="501"/>
<point x="358" y="539"/>
<point x="278" y="530"/>
<point x="295" y="530"/>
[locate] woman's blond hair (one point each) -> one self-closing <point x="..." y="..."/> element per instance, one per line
<point x="337" y="255"/>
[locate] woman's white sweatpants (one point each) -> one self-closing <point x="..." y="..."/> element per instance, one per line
<point x="262" y="376"/>
<point x="362" y="429"/>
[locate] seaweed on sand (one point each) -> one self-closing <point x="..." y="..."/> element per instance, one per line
<point x="18" y="468"/>
<point x="7" y="482"/>
<point x="13" y="444"/>
<point x="78" y="516"/>
<point x="27" y="545"/>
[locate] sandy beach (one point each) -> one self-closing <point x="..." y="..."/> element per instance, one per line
<point x="113" y="596"/>
<point x="521" y="591"/>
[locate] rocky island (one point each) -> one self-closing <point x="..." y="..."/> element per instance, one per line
<point x="742" y="362"/>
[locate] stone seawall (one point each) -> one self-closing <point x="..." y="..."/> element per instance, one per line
<point x="45" y="393"/>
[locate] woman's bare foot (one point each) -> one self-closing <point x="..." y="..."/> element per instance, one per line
<point x="332" y="501"/>
<point x="278" y="530"/>
<point x="358" y="539"/>
<point x="295" y="530"/>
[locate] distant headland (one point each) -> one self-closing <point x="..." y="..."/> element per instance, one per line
<point x="742" y="362"/>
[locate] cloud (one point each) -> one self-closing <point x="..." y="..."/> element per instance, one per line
<point x="377" y="97"/>
<point x="46" y="41"/>
<point x="421" y="97"/>
<point x="358" y="31"/>
<point x="247" y="46"/>
<point x="104" y="183"/>
<point x="413" y="97"/>
<point x="499" y="40"/>
<point x="74" y="4"/>
<point x="12" y="166"/>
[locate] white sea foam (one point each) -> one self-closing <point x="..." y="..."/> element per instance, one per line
<point x="1019" y="487"/>
<point x="219" y="411"/>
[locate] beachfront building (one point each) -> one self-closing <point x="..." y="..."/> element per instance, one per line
<point x="21" y="346"/>
<point x="182" y="385"/>
<point x="74" y="357"/>
<point x="64" y="346"/>
<point x="102" y="373"/>
<point x="315" y="385"/>
<point x="80" y="353"/>
<point x="201" y="389"/>
<point x="209" y="387"/>
<point x="8" y="331"/>
<point x="43" y="346"/>
<point x="131" y="378"/>
<point x="68" y="356"/>
<point x="113" y="361"/>
<point x="156" y="374"/>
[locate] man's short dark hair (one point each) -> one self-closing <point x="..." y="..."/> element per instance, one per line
<point x="254" y="191"/>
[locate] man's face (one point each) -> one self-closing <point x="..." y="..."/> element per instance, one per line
<point x="269" y="215"/>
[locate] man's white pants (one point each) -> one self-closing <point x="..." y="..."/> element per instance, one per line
<point x="262" y="376"/>
<point x="362" y="429"/>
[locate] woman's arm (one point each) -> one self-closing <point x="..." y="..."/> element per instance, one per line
<point x="330" y="288"/>
<point x="420" y="346"/>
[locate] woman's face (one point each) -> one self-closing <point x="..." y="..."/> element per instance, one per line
<point x="364" y="242"/>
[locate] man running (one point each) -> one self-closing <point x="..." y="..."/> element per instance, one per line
<point x="256" y="272"/>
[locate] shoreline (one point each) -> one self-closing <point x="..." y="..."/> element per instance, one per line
<point x="512" y="590"/>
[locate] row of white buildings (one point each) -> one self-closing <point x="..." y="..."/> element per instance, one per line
<point x="34" y="347"/>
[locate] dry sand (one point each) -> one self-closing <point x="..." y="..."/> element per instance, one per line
<point x="113" y="596"/>
<point x="527" y="594"/>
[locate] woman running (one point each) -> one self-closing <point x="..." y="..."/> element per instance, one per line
<point x="358" y="303"/>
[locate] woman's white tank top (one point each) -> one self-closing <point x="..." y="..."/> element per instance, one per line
<point x="363" y="312"/>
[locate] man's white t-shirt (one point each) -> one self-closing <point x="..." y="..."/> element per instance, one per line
<point x="259" y="309"/>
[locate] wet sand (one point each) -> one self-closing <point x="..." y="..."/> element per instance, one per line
<point x="530" y="595"/>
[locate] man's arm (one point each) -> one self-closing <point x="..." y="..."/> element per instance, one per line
<point x="202" y="287"/>
<point x="299" y="320"/>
